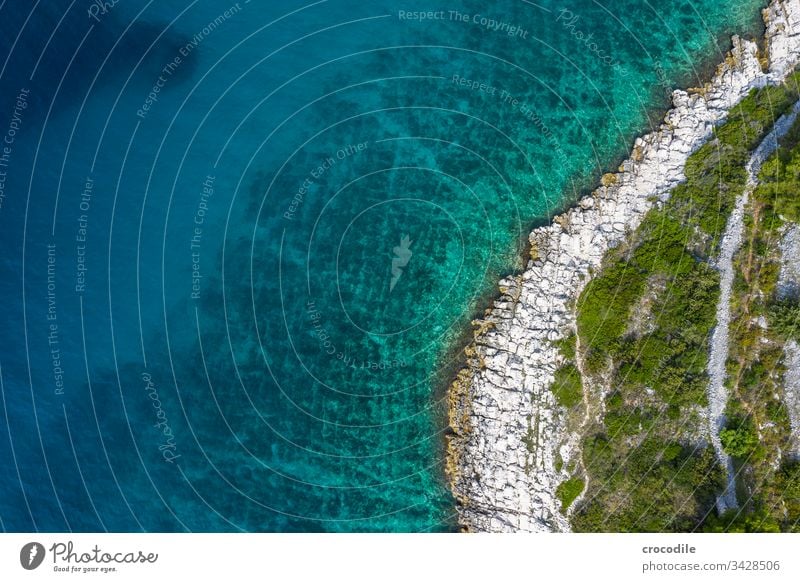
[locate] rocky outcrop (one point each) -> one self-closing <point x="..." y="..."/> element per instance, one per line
<point x="791" y="382"/>
<point x="789" y="277"/>
<point x="789" y="287"/>
<point x="510" y="448"/>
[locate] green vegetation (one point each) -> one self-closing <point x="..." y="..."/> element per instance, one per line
<point x="735" y="521"/>
<point x="788" y="483"/>
<point x="568" y="492"/>
<point x="739" y="439"/>
<point x="762" y="518"/>
<point x="779" y="185"/>
<point x="669" y="355"/>
<point x="659" y="485"/>
<point x="755" y="364"/>
<point x="606" y="310"/>
<point x="567" y="386"/>
<point x="567" y="348"/>
<point x="716" y="173"/>
<point x="784" y="318"/>
<point x="644" y="324"/>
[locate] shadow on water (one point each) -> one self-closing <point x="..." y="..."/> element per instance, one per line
<point x="68" y="64"/>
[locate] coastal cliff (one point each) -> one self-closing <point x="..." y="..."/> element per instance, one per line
<point x="513" y="443"/>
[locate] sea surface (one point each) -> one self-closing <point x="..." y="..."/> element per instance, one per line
<point x="241" y="244"/>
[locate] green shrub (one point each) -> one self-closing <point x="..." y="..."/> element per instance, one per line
<point x="568" y="491"/>
<point x="788" y="482"/>
<point x="739" y="440"/>
<point x="627" y="422"/>
<point x="566" y="347"/>
<point x="784" y="317"/>
<point x="779" y="183"/>
<point x="567" y="386"/>
<point x="605" y="307"/>
<point x="736" y="521"/>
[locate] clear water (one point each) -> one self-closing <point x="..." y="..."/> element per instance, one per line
<point x="367" y="177"/>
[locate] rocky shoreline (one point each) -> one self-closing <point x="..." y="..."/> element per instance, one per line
<point x="510" y="448"/>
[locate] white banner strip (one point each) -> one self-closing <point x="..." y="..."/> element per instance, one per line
<point x="410" y="558"/>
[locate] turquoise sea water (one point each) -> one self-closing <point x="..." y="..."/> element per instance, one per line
<point x="242" y="243"/>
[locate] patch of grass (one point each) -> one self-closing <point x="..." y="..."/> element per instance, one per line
<point x="784" y="318"/>
<point x="566" y="347"/>
<point x="672" y="357"/>
<point x="605" y="308"/>
<point x="567" y="386"/>
<point x="568" y="491"/>
<point x="559" y="464"/>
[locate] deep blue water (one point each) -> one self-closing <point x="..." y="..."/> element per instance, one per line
<point x="240" y="250"/>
